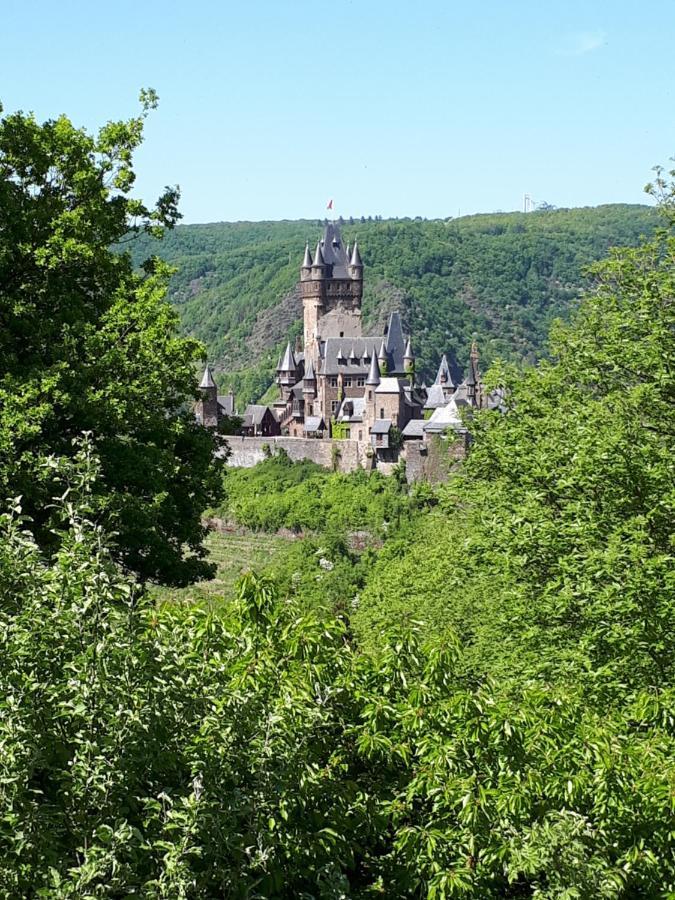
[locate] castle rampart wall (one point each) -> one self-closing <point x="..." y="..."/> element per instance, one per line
<point x="248" y="451"/>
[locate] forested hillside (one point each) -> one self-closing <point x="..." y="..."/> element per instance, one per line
<point x="503" y="276"/>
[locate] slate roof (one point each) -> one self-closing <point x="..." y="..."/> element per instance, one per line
<point x="388" y="386"/>
<point x="435" y="397"/>
<point x="414" y="429"/>
<point x="443" y="375"/>
<point x="254" y="414"/>
<point x="390" y="346"/>
<point x="395" y="342"/>
<point x="207" y="379"/>
<point x="226" y="403"/>
<point x="288" y="363"/>
<point x="362" y="347"/>
<point x="381" y="426"/>
<point x="333" y="251"/>
<point x="351" y="410"/>
<point x="314" y="423"/>
<point x="444" y="417"/>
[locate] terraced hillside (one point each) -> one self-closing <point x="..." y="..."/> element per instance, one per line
<point x="504" y="277"/>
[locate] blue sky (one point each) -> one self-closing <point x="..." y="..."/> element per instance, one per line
<point x="432" y="108"/>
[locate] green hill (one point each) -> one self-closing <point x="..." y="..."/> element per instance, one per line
<point x="503" y="276"/>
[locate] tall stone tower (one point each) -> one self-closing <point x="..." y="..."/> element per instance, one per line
<point x="331" y="284"/>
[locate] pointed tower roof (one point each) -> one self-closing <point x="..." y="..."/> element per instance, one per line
<point x="408" y="351"/>
<point x="382" y="354"/>
<point x="348" y="251"/>
<point x="443" y="375"/>
<point x="307" y="261"/>
<point x="207" y="379"/>
<point x="318" y="256"/>
<point x="356" y="256"/>
<point x="374" y="373"/>
<point x="288" y="364"/>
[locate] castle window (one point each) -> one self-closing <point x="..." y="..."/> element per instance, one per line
<point x="334" y="406"/>
<point x="348" y="433"/>
<point x="382" y="412"/>
<point x="342" y="334"/>
<point x="361" y="381"/>
<point x="348" y="381"/>
<point x="333" y="381"/>
<point x="370" y="395"/>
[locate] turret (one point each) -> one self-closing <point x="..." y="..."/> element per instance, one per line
<point x="306" y="270"/>
<point x="319" y="267"/>
<point x="206" y="409"/>
<point x="309" y="381"/>
<point x="408" y="358"/>
<point x="373" y="378"/>
<point x="287" y="368"/>
<point x="382" y="357"/>
<point x="208" y="385"/>
<point x="355" y="264"/>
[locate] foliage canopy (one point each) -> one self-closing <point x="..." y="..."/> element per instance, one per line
<point x="89" y="344"/>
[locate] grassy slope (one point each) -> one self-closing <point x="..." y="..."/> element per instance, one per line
<point x="501" y="276"/>
<point x="233" y="553"/>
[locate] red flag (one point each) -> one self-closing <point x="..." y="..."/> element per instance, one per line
<point x="329" y="205"/>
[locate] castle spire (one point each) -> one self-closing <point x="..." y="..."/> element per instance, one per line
<point x="374" y="373"/>
<point x="207" y="381"/>
<point x="408" y="358"/>
<point x="356" y="256"/>
<point x="307" y="261"/>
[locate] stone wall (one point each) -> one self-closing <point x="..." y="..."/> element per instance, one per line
<point x="434" y="459"/>
<point x="248" y="451"/>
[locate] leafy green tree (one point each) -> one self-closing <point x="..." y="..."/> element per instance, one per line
<point x="89" y="344"/>
<point x="175" y="754"/>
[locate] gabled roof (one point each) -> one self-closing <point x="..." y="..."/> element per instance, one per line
<point x="444" y="417"/>
<point x="254" y="414"/>
<point x="314" y="423"/>
<point x="351" y="410"/>
<point x="207" y="379"/>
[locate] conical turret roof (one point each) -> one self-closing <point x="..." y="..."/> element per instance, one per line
<point x="288" y="363"/>
<point x="318" y="256"/>
<point x="443" y="375"/>
<point x="408" y="351"/>
<point x="374" y="373"/>
<point x="207" y="379"/>
<point x="307" y="261"/>
<point x="356" y="256"/>
<point x="382" y="352"/>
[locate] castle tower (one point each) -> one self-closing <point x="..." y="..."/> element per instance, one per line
<point x="286" y="372"/>
<point x="206" y="409"/>
<point x="331" y="284"/>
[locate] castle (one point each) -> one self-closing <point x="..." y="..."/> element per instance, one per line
<point x="342" y="384"/>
